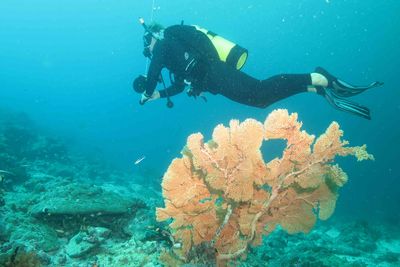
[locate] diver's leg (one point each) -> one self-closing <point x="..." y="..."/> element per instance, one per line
<point x="247" y="90"/>
<point x="243" y="88"/>
<point x="282" y="86"/>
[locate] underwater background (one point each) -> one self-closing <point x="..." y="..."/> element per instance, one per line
<point x="66" y="72"/>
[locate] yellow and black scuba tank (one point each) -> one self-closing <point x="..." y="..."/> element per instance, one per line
<point x="228" y="52"/>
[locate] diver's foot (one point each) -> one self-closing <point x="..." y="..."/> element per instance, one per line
<point x="341" y="88"/>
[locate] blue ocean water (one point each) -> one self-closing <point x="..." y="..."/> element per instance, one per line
<point x="70" y="64"/>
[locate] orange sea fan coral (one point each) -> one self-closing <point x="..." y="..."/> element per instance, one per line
<point x="221" y="195"/>
<point x="232" y="162"/>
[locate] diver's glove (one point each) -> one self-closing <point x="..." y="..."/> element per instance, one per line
<point x="145" y="97"/>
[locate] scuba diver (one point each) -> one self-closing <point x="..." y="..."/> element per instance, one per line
<point x="205" y="62"/>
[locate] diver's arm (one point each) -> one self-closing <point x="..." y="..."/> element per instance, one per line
<point x="177" y="87"/>
<point x="154" y="72"/>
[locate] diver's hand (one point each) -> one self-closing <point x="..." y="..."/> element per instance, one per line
<point x="145" y="97"/>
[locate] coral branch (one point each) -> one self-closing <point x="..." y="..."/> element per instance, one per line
<point x="226" y="219"/>
<point x="223" y="194"/>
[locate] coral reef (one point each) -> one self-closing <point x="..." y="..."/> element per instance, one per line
<point x="21" y="258"/>
<point x="59" y="208"/>
<point x="222" y="196"/>
<point x="62" y="233"/>
<point x="337" y="243"/>
<point x="53" y="210"/>
<point x="20" y="144"/>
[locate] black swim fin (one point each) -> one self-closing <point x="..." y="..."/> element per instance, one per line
<point x="341" y="88"/>
<point x="343" y="104"/>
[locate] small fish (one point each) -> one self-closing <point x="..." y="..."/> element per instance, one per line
<point x="139" y="160"/>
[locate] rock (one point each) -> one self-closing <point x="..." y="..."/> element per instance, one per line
<point x="390" y="257"/>
<point x="3" y="231"/>
<point x="139" y="226"/>
<point x="101" y="233"/>
<point x="39" y="236"/>
<point x="84" y="242"/>
<point x="61" y="260"/>
<point x="366" y="245"/>
<point x="44" y="258"/>
<point x="76" y="247"/>
<point x="332" y="233"/>
<point x="342" y="249"/>
<point x="83" y="200"/>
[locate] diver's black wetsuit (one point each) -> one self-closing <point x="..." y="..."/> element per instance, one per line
<point x="190" y="55"/>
